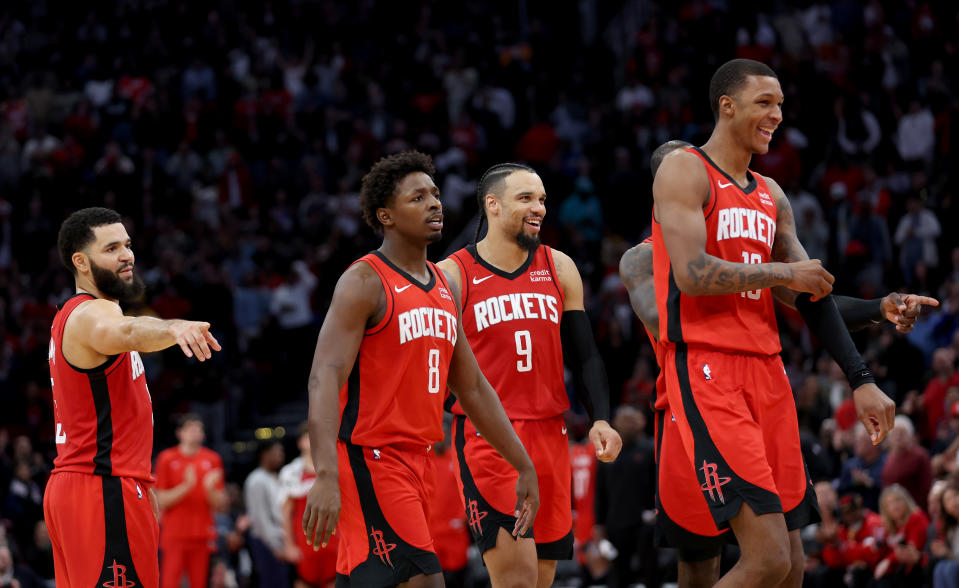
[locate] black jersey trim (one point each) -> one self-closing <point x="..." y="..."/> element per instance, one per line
<point x="471" y="249"/>
<point x="64" y="303"/>
<point x="390" y="301"/>
<point x="351" y="412"/>
<point x="465" y="288"/>
<point x="100" y="369"/>
<point x="551" y="264"/>
<point x="674" y="326"/>
<point x="102" y="461"/>
<point x="750" y="177"/>
<point x="424" y="287"/>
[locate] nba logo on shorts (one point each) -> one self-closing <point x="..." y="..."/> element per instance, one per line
<point x="707" y="373"/>
<point x="139" y="492"/>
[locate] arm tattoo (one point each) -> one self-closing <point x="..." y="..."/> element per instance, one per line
<point x="787" y="247"/>
<point x="712" y="275"/>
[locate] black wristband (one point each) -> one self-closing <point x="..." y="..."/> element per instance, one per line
<point x="823" y="319"/>
<point x="583" y="359"/>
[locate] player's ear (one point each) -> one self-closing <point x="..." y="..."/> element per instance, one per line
<point x="726" y="105"/>
<point x="492" y="203"/>
<point x="384" y="216"/>
<point x="80" y="261"/>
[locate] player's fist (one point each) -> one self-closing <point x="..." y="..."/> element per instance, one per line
<point x="606" y="441"/>
<point x="810" y="276"/>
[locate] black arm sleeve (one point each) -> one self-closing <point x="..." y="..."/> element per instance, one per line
<point x="823" y="319"/>
<point x="858" y="313"/>
<point x="582" y="357"/>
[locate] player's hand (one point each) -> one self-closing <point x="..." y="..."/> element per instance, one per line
<point x="876" y="411"/>
<point x="212" y="478"/>
<point x="606" y="441"/>
<point x="322" y="510"/>
<point x="903" y="309"/>
<point x="189" y="476"/>
<point x="154" y="503"/>
<point x="527" y="501"/>
<point x="810" y="276"/>
<point x="194" y="338"/>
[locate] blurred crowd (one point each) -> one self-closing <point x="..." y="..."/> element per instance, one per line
<point x="233" y="136"/>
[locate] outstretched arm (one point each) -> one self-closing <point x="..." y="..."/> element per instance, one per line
<point x="98" y="329"/>
<point x="680" y="189"/>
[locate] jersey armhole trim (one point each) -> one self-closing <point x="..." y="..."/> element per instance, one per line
<point x="464" y="280"/>
<point x="388" y="315"/>
<point x="552" y="268"/>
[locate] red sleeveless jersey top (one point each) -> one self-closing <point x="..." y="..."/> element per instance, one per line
<point x="104" y="415"/>
<point x="512" y="323"/>
<point x="395" y="393"/>
<point x="741" y="228"/>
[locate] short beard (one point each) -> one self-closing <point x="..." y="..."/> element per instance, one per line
<point x="526" y="242"/>
<point x="435" y="237"/>
<point x="112" y="285"/>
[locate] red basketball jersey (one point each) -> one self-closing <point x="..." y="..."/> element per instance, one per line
<point x="396" y="389"/>
<point x="740" y="227"/>
<point x="104" y="415"/>
<point x="583" y="464"/>
<point x="512" y="323"/>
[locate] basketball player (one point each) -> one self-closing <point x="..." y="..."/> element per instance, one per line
<point x="683" y="520"/>
<point x="315" y="568"/>
<point x="722" y="237"/>
<point x="389" y="346"/>
<point x="189" y="490"/>
<point x="99" y="503"/>
<point x="522" y="309"/>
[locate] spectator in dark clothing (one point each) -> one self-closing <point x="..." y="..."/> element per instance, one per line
<point x="16" y="576"/>
<point x="624" y="501"/>
<point x="907" y="463"/>
<point x="862" y="474"/>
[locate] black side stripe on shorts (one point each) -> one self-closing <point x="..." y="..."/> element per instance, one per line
<point x="724" y="489"/>
<point x="391" y="560"/>
<point x="118" y="569"/>
<point x="351" y="412"/>
<point x="674" y="328"/>
<point x="102" y="461"/>
<point x="469" y="484"/>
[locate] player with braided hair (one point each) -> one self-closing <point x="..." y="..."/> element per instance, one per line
<point x="522" y="306"/>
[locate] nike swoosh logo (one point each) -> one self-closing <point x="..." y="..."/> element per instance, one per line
<point x="481" y="280"/>
<point x="722" y="185"/>
<point x="398" y="289"/>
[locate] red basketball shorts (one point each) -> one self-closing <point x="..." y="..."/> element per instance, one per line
<point x="103" y="531"/>
<point x="683" y="518"/>
<point x="737" y="420"/>
<point x="488" y="484"/>
<point x="385" y="494"/>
